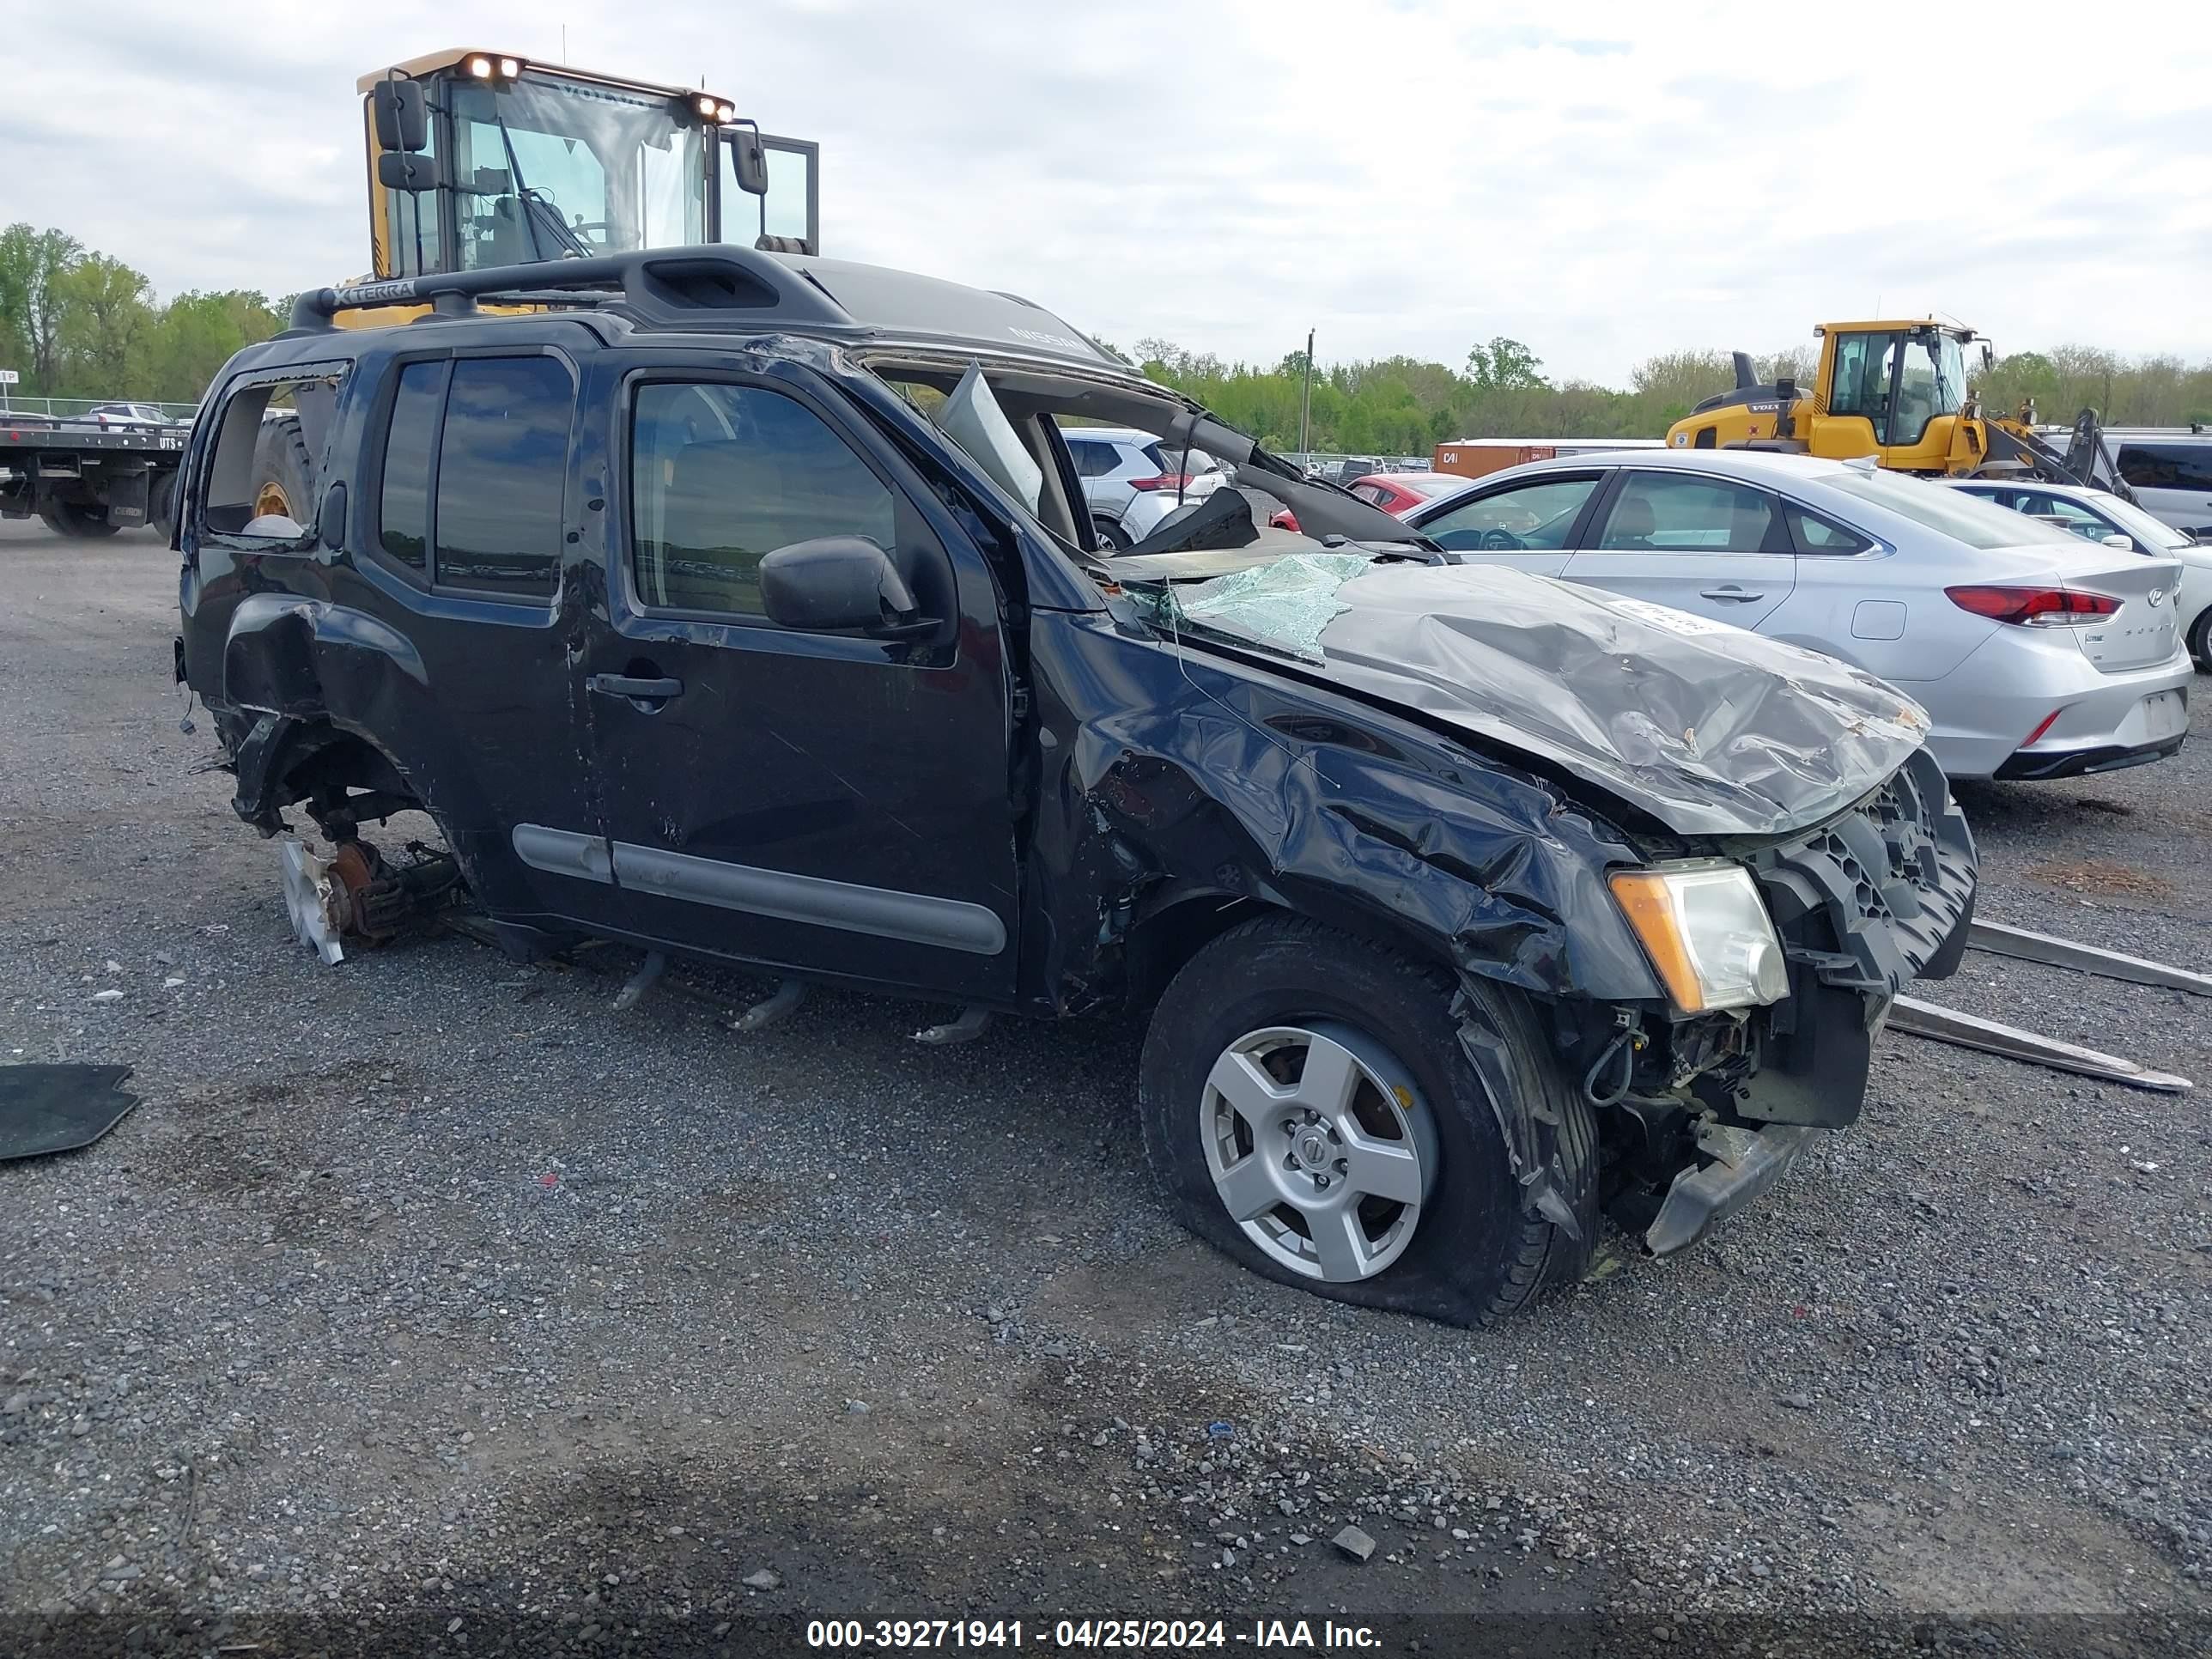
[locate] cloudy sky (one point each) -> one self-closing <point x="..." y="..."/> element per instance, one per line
<point x="1603" y="182"/>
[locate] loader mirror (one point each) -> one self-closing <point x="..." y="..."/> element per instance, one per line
<point x="402" y="121"/>
<point x="397" y="170"/>
<point x="749" y="159"/>
<point x="1989" y="358"/>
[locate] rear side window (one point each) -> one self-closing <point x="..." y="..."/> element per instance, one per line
<point x="1814" y="534"/>
<point x="502" y="467"/>
<point x="263" y="480"/>
<point x="721" y="475"/>
<point x="476" y="467"/>
<point x="1092" y="461"/>
<point x="2167" y="466"/>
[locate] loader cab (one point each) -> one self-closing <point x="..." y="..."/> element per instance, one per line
<point x="1891" y="389"/>
<point x="478" y="159"/>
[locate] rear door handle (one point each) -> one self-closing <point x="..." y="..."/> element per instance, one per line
<point x="1740" y="596"/>
<point x="621" y="685"/>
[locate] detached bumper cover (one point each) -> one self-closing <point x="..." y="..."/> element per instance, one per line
<point x="1745" y="1164"/>
<point x="2079" y="763"/>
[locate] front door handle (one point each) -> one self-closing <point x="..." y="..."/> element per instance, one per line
<point x="1736" y="595"/>
<point x="639" y="690"/>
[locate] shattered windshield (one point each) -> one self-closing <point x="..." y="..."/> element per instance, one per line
<point x="1284" y="603"/>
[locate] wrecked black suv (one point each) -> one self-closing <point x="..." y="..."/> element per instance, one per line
<point x="745" y="605"/>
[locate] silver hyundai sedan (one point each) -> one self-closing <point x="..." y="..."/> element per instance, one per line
<point x="2036" y="654"/>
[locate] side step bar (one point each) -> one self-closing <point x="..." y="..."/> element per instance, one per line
<point x="1924" y="1019"/>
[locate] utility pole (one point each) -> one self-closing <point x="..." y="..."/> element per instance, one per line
<point x="1305" y="402"/>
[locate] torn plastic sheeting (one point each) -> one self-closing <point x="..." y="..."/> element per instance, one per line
<point x="1288" y="602"/>
<point x="1710" y="729"/>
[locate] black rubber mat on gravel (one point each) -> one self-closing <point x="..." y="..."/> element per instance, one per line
<point x="58" y="1109"/>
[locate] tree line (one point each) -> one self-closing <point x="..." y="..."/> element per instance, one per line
<point x="77" y="324"/>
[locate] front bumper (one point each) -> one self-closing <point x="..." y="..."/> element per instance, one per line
<point x="1744" y="1164"/>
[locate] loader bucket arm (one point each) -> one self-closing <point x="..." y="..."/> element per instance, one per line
<point x="2015" y="451"/>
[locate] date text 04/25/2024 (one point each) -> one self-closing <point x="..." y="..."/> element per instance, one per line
<point x="1168" y="1634"/>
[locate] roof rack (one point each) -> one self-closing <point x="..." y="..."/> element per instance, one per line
<point x="660" y="285"/>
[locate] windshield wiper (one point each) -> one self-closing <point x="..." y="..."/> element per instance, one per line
<point x="535" y="211"/>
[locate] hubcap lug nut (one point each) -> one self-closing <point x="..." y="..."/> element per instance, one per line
<point x="1344" y="1166"/>
<point x="1321" y="1183"/>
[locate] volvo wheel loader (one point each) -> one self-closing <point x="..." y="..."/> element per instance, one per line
<point x="1896" y="392"/>
<point x="477" y="159"/>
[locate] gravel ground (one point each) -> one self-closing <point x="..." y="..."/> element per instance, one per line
<point x="426" y="1304"/>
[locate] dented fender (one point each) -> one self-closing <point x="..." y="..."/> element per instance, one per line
<point x="1218" y="781"/>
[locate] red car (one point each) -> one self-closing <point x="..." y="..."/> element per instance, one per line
<point x="1395" y="493"/>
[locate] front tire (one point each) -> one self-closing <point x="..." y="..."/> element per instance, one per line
<point x="1112" y="538"/>
<point x="77" y="521"/>
<point x="2200" y="639"/>
<point x="1310" y="1110"/>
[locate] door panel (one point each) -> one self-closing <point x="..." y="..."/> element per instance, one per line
<point x="829" y="803"/>
<point x="1707" y="545"/>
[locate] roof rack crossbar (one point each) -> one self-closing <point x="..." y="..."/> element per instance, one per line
<point x="658" y="282"/>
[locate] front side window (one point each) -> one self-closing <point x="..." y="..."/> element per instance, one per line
<point x="721" y="475"/>
<point x="1539" y="515"/>
<point x="1861" y="382"/>
<point x="1657" y="513"/>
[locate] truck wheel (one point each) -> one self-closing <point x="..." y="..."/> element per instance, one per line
<point x="284" y="472"/>
<point x="77" y="521"/>
<point x="161" y="505"/>
<point x="1308" y="1106"/>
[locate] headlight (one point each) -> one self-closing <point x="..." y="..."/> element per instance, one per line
<point x="1707" y="932"/>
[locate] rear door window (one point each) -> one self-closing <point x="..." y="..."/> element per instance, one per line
<point x="502" y="473"/>
<point x="404" y="521"/>
<point x="1656" y="513"/>
<point x="475" y="473"/>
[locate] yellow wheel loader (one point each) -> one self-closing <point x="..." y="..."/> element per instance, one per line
<point x="1896" y="392"/>
<point x="487" y="158"/>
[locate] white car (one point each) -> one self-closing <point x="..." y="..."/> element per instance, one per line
<point x="1132" y="480"/>
<point x="2095" y="516"/>
<point x="2036" y="654"/>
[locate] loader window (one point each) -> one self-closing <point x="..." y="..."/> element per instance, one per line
<point x="549" y="168"/>
<point x="1863" y="363"/>
<point x="1931" y="380"/>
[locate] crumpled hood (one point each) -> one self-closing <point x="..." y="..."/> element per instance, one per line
<point x="1710" y="729"/>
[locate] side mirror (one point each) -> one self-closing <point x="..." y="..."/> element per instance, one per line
<point x="398" y="170"/>
<point x="835" y="584"/>
<point x="2125" y="544"/>
<point x="1989" y="358"/>
<point x="402" y="122"/>
<point x="749" y="159"/>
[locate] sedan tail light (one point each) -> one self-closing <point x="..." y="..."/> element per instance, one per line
<point x="1165" y="481"/>
<point x="2035" y="607"/>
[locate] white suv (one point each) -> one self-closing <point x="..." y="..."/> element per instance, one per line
<point x="1131" y="481"/>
